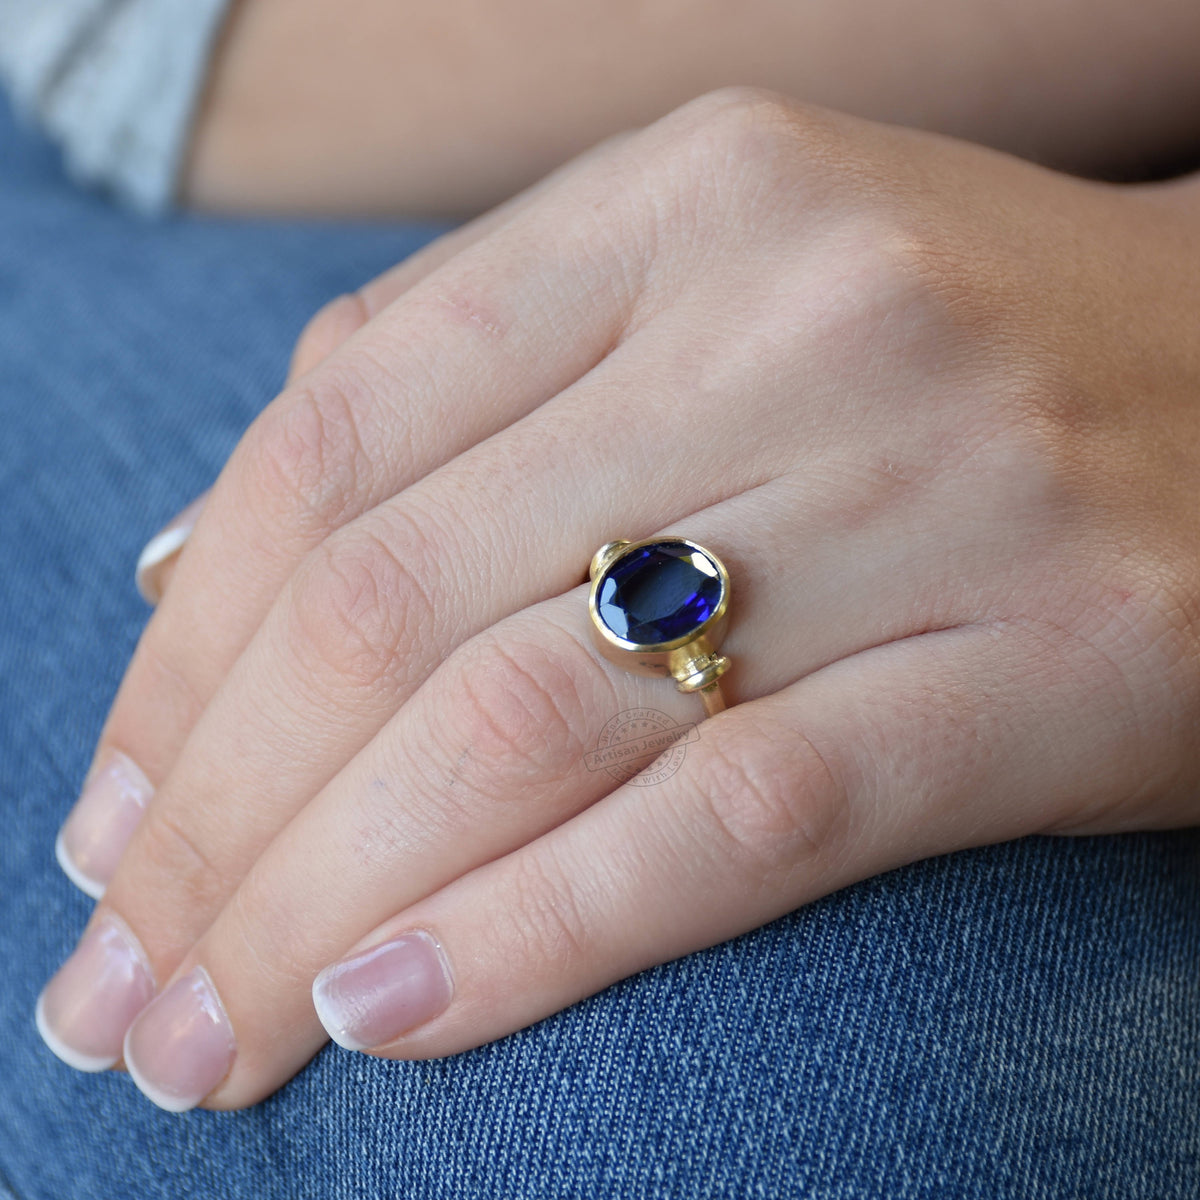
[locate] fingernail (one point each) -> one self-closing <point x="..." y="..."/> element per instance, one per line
<point x="374" y="997"/>
<point x="182" y="1045"/>
<point x="94" y="837"/>
<point x="162" y="548"/>
<point x="84" y="1011"/>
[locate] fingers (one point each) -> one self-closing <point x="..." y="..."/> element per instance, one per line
<point x="184" y="868"/>
<point x="908" y="749"/>
<point x="338" y="321"/>
<point x="464" y="352"/>
<point x="330" y="327"/>
<point x="345" y="315"/>
<point x="386" y="599"/>
<point x="492" y="751"/>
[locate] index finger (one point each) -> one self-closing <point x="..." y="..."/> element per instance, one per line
<point x="479" y="315"/>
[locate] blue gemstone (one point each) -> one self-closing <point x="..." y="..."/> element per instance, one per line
<point x="658" y="593"/>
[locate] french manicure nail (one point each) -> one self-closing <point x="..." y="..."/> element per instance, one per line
<point x="374" y="997"/>
<point x="163" y="547"/>
<point x="84" y="1011"/>
<point x="94" y="837"/>
<point x="182" y="1045"/>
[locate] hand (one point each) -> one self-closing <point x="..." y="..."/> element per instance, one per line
<point x="932" y="405"/>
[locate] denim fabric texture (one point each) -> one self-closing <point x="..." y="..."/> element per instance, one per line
<point x="1020" y="1021"/>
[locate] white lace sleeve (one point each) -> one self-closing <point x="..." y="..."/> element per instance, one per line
<point x="115" y="82"/>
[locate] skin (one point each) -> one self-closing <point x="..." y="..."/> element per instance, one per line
<point x="391" y="107"/>
<point x="935" y="407"/>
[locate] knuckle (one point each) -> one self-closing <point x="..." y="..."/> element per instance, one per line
<point x="899" y="282"/>
<point x="177" y="687"/>
<point x="770" y="802"/>
<point x="167" y="849"/>
<point x="753" y="144"/>
<point x="757" y="162"/>
<point x="1051" y="457"/>
<point x="1153" y="596"/>
<point x="719" y="172"/>
<point x="984" y="457"/>
<point x="503" y="729"/>
<point x="747" y="120"/>
<point x="259" y="921"/>
<point x="356" y="603"/>
<point x="518" y="715"/>
<point x="307" y="460"/>
<point x="469" y="299"/>
<point x="393" y="823"/>
<point x="546" y="917"/>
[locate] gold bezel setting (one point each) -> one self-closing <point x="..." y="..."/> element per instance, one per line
<point x="691" y="659"/>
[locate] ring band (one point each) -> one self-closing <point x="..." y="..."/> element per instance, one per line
<point x="660" y="607"/>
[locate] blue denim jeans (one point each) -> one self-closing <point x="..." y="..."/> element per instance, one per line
<point x="1019" y="1021"/>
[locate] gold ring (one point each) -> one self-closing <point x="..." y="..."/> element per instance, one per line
<point x="660" y="607"/>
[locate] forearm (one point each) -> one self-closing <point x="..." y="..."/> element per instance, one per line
<point x="395" y="107"/>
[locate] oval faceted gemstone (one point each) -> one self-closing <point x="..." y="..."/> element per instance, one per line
<point x="658" y="593"/>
